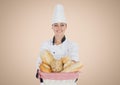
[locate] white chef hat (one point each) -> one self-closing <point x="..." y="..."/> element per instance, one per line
<point x="58" y="15"/>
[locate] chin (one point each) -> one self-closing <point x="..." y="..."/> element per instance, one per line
<point x="59" y="34"/>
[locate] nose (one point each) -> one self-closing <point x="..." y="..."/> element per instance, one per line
<point x="59" y="26"/>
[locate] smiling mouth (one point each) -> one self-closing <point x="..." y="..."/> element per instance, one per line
<point x="58" y="31"/>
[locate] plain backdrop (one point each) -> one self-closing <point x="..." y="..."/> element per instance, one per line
<point x="93" y="24"/>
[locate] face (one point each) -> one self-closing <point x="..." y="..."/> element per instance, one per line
<point x="59" y="28"/>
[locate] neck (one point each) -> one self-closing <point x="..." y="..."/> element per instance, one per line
<point x="58" y="39"/>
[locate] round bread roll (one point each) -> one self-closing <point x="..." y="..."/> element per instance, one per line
<point x="45" y="68"/>
<point x="57" y="66"/>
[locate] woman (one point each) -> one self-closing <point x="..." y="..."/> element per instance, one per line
<point x="59" y="46"/>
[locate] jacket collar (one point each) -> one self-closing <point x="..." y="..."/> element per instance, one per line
<point x="63" y="39"/>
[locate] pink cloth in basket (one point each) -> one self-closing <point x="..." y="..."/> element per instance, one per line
<point x="60" y="76"/>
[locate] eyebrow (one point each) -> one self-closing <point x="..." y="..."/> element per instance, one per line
<point x="60" y="23"/>
<point x="55" y="23"/>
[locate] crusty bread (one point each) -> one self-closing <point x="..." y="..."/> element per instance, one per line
<point x="67" y="64"/>
<point x="74" y="67"/>
<point x="46" y="57"/>
<point x="66" y="61"/>
<point x="45" y="68"/>
<point x="57" y="66"/>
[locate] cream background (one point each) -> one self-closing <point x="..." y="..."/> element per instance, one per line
<point x="93" y="24"/>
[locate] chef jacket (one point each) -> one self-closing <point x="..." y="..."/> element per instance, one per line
<point x="66" y="48"/>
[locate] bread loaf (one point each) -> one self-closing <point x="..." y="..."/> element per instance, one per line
<point x="46" y="57"/>
<point x="66" y="61"/>
<point x="45" y="68"/>
<point x="57" y="66"/>
<point x="67" y="64"/>
<point x="74" y="67"/>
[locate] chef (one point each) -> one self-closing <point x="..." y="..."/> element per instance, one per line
<point x="59" y="45"/>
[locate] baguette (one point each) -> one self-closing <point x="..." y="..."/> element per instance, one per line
<point x="74" y="67"/>
<point x="46" y="57"/>
<point x="67" y="64"/>
<point x="66" y="61"/>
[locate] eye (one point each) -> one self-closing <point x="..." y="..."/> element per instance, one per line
<point x="55" y="25"/>
<point x="62" y="25"/>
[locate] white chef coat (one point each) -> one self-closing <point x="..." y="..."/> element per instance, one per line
<point x="59" y="82"/>
<point x="66" y="48"/>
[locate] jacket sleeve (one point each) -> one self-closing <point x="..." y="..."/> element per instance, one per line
<point x="74" y="52"/>
<point x="38" y="62"/>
